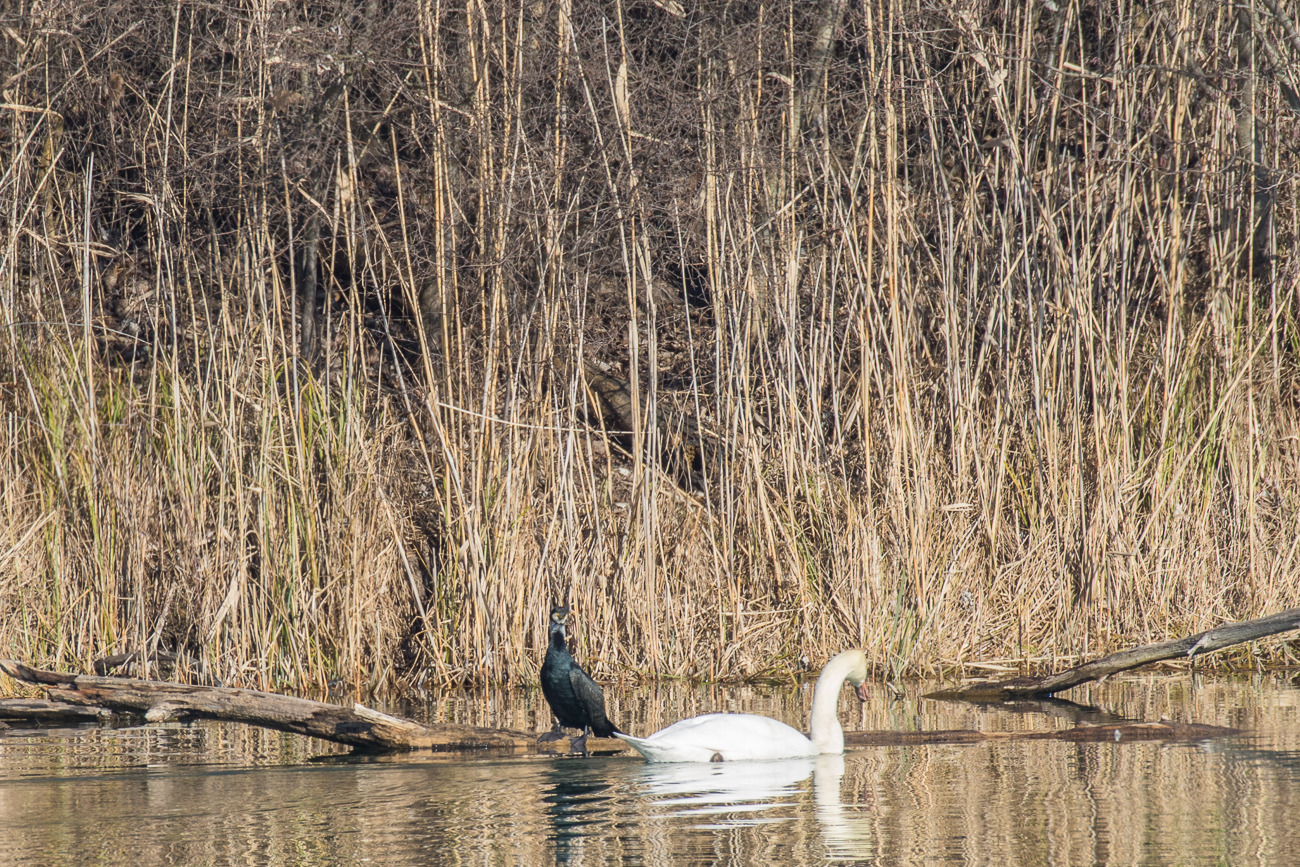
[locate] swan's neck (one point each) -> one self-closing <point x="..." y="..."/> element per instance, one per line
<point x="824" y="726"/>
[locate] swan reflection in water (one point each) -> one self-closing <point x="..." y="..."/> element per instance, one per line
<point x="848" y="830"/>
<point x="739" y="791"/>
<point x="723" y="788"/>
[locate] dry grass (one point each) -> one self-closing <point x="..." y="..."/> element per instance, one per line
<point x="961" y="334"/>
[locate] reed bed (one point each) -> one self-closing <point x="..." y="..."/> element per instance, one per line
<point x="341" y="340"/>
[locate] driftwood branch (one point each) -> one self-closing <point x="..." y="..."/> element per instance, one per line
<point x="1190" y="647"/>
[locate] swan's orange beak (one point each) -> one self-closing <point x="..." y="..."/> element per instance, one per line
<point x="861" y="690"/>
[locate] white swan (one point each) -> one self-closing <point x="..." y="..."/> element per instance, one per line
<point x="736" y="737"/>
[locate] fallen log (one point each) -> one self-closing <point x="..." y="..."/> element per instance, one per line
<point x="358" y="726"/>
<point x="1187" y="648"/>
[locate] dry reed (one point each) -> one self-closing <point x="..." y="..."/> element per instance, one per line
<point x="962" y="333"/>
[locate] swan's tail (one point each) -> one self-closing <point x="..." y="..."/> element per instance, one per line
<point x="653" y="752"/>
<point x="638" y="744"/>
<point x="658" y="751"/>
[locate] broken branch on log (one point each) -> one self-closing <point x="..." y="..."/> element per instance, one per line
<point x="107" y="664"/>
<point x="1192" y="646"/>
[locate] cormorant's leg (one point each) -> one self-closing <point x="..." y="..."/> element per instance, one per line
<point x="553" y="735"/>
<point x="580" y="743"/>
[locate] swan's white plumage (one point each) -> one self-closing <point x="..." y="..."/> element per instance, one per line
<point x="734" y="737"/>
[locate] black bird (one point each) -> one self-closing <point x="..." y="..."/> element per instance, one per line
<point x="576" y="700"/>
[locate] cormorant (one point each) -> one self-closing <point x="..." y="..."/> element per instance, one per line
<point x="576" y="700"/>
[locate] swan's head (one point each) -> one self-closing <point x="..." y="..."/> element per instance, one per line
<point x="856" y="670"/>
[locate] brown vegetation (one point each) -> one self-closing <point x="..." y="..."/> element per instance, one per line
<point x="340" y="340"/>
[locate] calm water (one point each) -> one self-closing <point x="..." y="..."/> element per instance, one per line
<point x="219" y="794"/>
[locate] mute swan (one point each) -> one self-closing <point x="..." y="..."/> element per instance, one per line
<point x="733" y="737"/>
<point x="576" y="700"/>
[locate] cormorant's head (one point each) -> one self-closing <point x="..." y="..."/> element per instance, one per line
<point x="559" y="635"/>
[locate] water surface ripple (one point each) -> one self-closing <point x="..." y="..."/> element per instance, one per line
<point x="215" y="794"/>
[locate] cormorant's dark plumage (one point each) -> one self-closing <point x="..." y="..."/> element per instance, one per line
<point x="576" y="700"/>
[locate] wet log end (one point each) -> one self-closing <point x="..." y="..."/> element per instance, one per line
<point x="38" y="710"/>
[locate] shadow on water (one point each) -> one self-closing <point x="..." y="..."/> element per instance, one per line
<point x="579" y="802"/>
<point x="1052" y="708"/>
<point x="1243" y="759"/>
